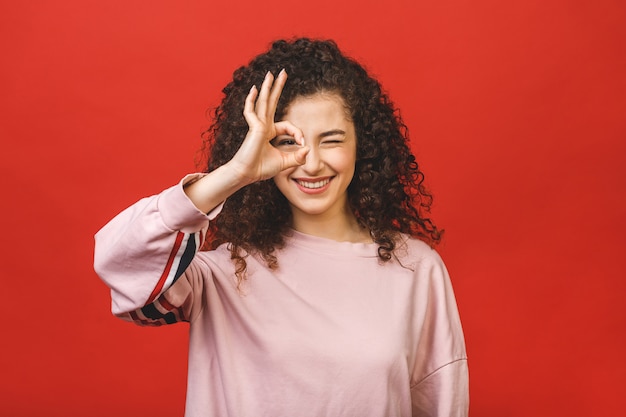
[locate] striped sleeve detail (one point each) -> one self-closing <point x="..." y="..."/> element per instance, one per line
<point x="158" y="313"/>
<point x="183" y="251"/>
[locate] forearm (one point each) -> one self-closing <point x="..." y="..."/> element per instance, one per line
<point x="212" y="189"/>
<point x="142" y="251"/>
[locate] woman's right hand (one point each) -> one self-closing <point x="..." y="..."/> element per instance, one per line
<point x="257" y="159"/>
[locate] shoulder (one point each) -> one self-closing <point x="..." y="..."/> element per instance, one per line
<point x="416" y="253"/>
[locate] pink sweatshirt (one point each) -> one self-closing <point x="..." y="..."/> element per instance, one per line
<point x="331" y="332"/>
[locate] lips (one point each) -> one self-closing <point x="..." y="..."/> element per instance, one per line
<point x="313" y="185"/>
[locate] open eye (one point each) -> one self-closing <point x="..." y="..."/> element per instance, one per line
<point x="285" y="143"/>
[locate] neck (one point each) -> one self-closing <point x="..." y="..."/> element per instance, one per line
<point x="340" y="226"/>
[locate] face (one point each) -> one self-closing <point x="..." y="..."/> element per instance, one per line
<point x="318" y="188"/>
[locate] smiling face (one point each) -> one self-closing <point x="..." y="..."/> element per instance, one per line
<point x="317" y="190"/>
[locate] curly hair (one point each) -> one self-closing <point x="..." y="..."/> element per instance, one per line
<point x="386" y="194"/>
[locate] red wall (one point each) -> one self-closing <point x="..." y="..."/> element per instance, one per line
<point x="517" y="112"/>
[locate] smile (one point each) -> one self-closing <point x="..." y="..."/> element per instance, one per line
<point x="313" y="184"/>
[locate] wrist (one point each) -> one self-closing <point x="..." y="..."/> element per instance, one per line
<point x="236" y="175"/>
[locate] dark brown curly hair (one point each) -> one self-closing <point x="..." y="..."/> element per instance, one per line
<point x="386" y="195"/>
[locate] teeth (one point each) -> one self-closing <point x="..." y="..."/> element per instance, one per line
<point x="317" y="184"/>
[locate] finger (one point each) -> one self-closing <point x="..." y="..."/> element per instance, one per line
<point x="261" y="102"/>
<point x="277" y="89"/>
<point x="297" y="158"/>
<point x="287" y="128"/>
<point x="248" y="107"/>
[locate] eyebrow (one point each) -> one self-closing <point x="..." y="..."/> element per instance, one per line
<point x="332" y="133"/>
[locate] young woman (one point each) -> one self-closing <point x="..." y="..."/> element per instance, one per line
<point x="320" y="294"/>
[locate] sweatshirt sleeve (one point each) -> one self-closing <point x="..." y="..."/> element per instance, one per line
<point x="444" y="393"/>
<point x="440" y="384"/>
<point x="142" y="252"/>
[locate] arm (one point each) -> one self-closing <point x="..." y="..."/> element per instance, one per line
<point x="444" y="393"/>
<point x="142" y="253"/>
<point x="440" y="381"/>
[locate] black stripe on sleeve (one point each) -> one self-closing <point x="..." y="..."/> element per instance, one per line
<point x="185" y="260"/>
<point x="151" y="312"/>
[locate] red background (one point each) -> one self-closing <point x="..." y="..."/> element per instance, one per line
<point x="517" y="114"/>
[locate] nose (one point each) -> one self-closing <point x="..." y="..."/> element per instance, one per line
<point x="313" y="163"/>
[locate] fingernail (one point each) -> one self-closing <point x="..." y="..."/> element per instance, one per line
<point x="282" y="71"/>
